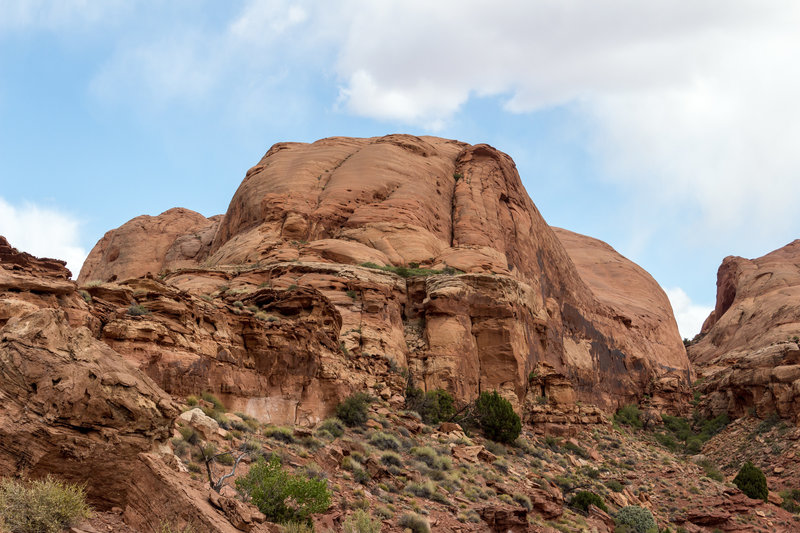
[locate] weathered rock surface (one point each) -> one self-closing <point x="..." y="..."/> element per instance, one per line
<point x="148" y="245"/>
<point x="74" y="408"/>
<point x="309" y="215"/>
<point x="748" y="354"/>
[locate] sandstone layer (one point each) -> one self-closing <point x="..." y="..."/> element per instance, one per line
<point x="401" y="251"/>
<point x="747" y="353"/>
<point x="74" y="408"/>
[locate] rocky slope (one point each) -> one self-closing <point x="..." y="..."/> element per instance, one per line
<point x="748" y="355"/>
<point x="411" y="252"/>
<point x="76" y="409"/>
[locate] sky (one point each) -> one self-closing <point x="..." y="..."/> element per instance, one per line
<point x="668" y="129"/>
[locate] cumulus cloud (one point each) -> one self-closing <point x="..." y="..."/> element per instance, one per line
<point x="688" y="104"/>
<point x="43" y="232"/>
<point x="690" y="316"/>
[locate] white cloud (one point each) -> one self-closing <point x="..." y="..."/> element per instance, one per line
<point x="57" y="14"/>
<point x="690" y="104"/>
<point x="43" y="232"/>
<point x="690" y="317"/>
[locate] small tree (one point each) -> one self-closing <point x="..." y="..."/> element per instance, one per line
<point x="281" y="496"/>
<point x="583" y="499"/>
<point x="497" y="418"/>
<point x="752" y="481"/>
<point x="433" y="406"/>
<point x="353" y="410"/>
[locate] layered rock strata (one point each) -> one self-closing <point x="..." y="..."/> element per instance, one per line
<point x="747" y="354"/>
<point x="74" y="408"/>
<point x="411" y="252"/>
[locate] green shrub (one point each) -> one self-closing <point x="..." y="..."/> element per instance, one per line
<point x="497" y="418"/>
<point x="426" y="454"/>
<point x="433" y="406"/>
<point x="576" y="450"/>
<point x="353" y="410"/>
<point x="711" y="470"/>
<point x="637" y="518"/>
<point x="43" y="506"/>
<point x="334" y="426"/>
<point x="391" y="459"/>
<point x="281" y="434"/>
<point x="138" y="310"/>
<point x="414" y="522"/>
<point x="752" y="481"/>
<point x="213" y="400"/>
<point x="282" y="496"/>
<point x="629" y="415"/>
<point x="384" y="441"/>
<point x="614" y="485"/>
<point x="523" y="501"/>
<point x="424" y="489"/>
<point x="791" y="500"/>
<point x="361" y="522"/>
<point x="583" y="499"/>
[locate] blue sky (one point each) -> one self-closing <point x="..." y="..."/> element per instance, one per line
<point x="667" y="129"/>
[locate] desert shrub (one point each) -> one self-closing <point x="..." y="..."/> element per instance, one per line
<point x="575" y="449"/>
<point x="414" y="522"/>
<point x="637" y="518"/>
<point x="614" y="485"/>
<point x="523" y="501"/>
<point x="667" y="440"/>
<point x="296" y="527"/>
<point x="43" y="506"/>
<point x="629" y="415"/>
<point x="497" y="418"/>
<point x="167" y="527"/>
<point x="433" y="406"/>
<point x="752" y="481"/>
<point x="391" y="459"/>
<point x="768" y="423"/>
<point x="353" y="410"/>
<point x="583" y="499"/>
<point x="711" y="470"/>
<point x="281" y="434"/>
<point x="138" y="310"/>
<point x="426" y="454"/>
<point x="384" y="441"/>
<point x="361" y="522"/>
<point x="791" y="500"/>
<point x="271" y="488"/>
<point x="424" y="489"/>
<point x="213" y="400"/>
<point x="334" y="426"/>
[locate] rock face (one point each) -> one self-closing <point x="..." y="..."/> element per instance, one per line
<point x="148" y="245"/>
<point x="329" y="236"/>
<point x="74" y="408"/>
<point x="638" y="302"/>
<point x="748" y="353"/>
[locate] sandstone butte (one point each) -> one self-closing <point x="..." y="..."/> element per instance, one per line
<point x="747" y="353"/>
<point x="519" y="307"/>
<point x="338" y="265"/>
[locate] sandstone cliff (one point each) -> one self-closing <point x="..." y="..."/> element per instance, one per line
<point x="748" y="355"/>
<point x="392" y="252"/>
<point x="74" y="408"/>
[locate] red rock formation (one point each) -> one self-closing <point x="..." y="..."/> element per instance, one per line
<point x="147" y="245"/>
<point x="748" y="354"/>
<point x="309" y="214"/>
